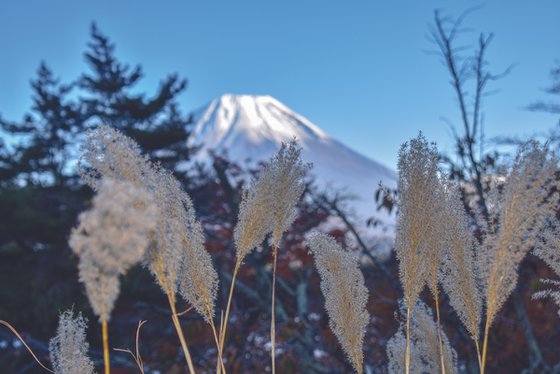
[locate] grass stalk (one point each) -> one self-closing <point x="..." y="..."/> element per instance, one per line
<point x="223" y="327"/>
<point x="485" y="345"/>
<point x="14" y="331"/>
<point x="477" y="344"/>
<point x="106" y="360"/>
<point x="407" y="353"/>
<point x="442" y="361"/>
<point x="273" y="312"/>
<point x="220" y="365"/>
<point x="180" y="334"/>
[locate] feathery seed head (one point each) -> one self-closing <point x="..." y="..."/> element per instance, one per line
<point x="286" y="172"/>
<point x="115" y="231"/>
<point x="177" y="258"/>
<point x="110" y="238"/>
<point x="176" y="255"/>
<point x="522" y="214"/>
<point x="342" y="285"/>
<point x="109" y="153"/>
<point x="424" y="344"/>
<point x="419" y="189"/>
<point x="255" y="215"/>
<point x="424" y="332"/>
<point x="198" y="281"/>
<point x="268" y="206"/>
<point x="435" y="234"/>
<point x="69" y="348"/>
<point x="102" y="289"/>
<point x="396" y="352"/>
<point x="175" y="215"/>
<point x="458" y="275"/>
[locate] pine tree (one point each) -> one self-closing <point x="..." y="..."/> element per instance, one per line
<point x="156" y="123"/>
<point x="41" y="152"/>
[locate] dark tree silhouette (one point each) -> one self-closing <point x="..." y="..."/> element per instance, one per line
<point x="45" y="140"/>
<point x="42" y="154"/>
<point x="40" y="192"/>
<point x="156" y="123"/>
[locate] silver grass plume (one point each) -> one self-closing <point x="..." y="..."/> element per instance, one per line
<point x="255" y="219"/>
<point x="109" y="153"/>
<point x="424" y="346"/>
<point x="110" y="238"/>
<point x="198" y="281"/>
<point x="424" y="332"/>
<point x="177" y="257"/>
<point x="519" y="218"/>
<point x="396" y="351"/>
<point x="342" y="285"/>
<point x="166" y="255"/>
<point x="418" y="185"/>
<point x="434" y="232"/>
<point x="176" y="254"/>
<point x="286" y="172"/>
<point x="69" y="348"/>
<point x="268" y="205"/>
<point x="458" y="275"/>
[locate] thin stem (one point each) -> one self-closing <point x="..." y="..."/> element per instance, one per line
<point x="407" y="355"/>
<point x="180" y="334"/>
<point x="14" y="331"/>
<point x="485" y="345"/>
<point x="273" y="314"/>
<point x="220" y="365"/>
<point x="439" y="332"/>
<point x="223" y="328"/>
<point x="105" y="334"/>
<point x="137" y="357"/>
<point x="478" y="354"/>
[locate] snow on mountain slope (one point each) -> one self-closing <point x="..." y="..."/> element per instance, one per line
<point x="252" y="128"/>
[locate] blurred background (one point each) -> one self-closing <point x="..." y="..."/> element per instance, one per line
<point x="211" y="90"/>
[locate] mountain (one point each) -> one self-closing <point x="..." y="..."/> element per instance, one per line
<point x="251" y="128"/>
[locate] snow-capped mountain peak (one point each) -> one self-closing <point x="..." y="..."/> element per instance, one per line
<point x="257" y="118"/>
<point x="247" y="127"/>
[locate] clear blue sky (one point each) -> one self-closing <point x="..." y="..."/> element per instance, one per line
<point x="357" y="69"/>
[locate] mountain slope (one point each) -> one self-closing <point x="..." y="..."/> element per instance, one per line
<point x="251" y="128"/>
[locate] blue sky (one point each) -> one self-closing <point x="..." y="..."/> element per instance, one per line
<point x="358" y="69"/>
